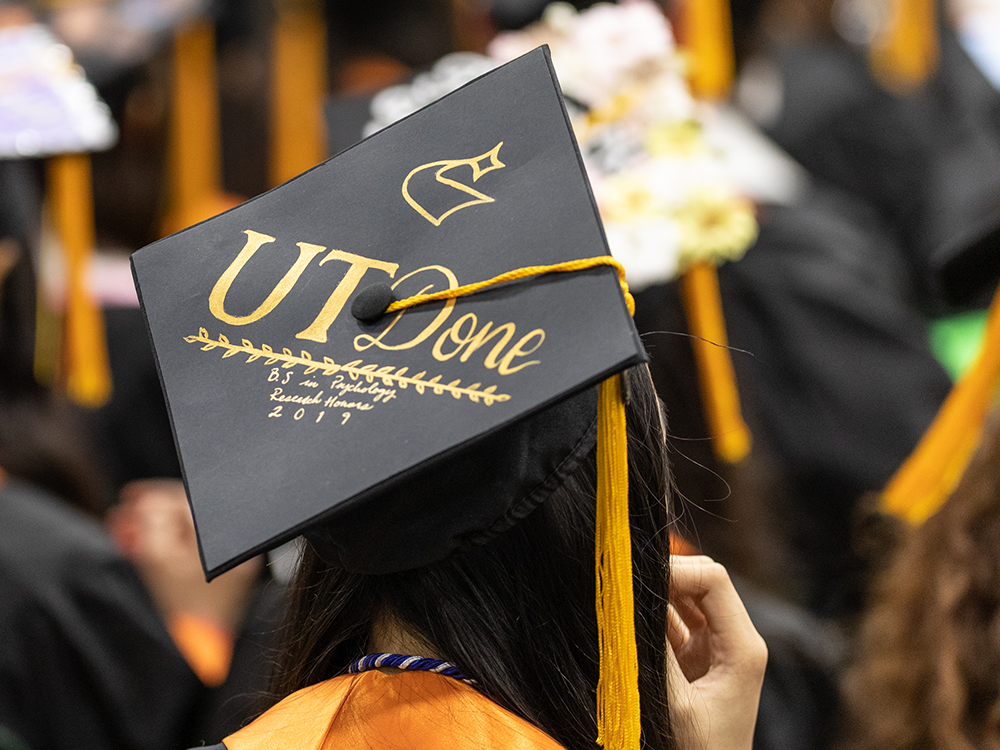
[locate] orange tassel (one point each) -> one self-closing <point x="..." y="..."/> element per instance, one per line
<point x="86" y="372"/>
<point x="708" y="37"/>
<point x="717" y="380"/>
<point x="205" y="646"/>
<point x="298" y="88"/>
<point x="194" y="166"/>
<point x="928" y="477"/>
<point x="906" y="55"/>
<point x="681" y="546"/>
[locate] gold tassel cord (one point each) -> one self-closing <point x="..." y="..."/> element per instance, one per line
<point x="515" y="275"/>
<point x="716" y="378"/>
<point x="905" y="55"/>
<point x="932" y="472"/>
<point x="708" y="39"/>
<point x="298" y="88"/>
<point x="619" y="724"/>
<point x="86" y="372"/>
<point x="618" y="714"/>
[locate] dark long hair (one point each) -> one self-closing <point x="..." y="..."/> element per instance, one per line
<point x="516" y="614"/>
<point x="41" y="437"/>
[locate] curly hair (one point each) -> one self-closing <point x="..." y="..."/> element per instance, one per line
<point x="928" y="673"/>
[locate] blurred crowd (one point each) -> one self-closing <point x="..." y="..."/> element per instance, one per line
<point x="816" y="307"/>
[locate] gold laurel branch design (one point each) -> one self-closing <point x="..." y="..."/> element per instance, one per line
<point x="370" y="373"/>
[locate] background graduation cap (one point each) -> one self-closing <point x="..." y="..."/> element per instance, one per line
<point x="49" y="109"/>
<point x="291" y="414"/>
<point x="670" y="205"/>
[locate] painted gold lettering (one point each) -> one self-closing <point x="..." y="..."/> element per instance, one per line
<point x="359" y="266"/>
<point x="364" y="341"/>
<point x="217" y="299"/>
<point x="454" y="333"/>
<point x="519" y="350"/>
<point x="483" y="337"/>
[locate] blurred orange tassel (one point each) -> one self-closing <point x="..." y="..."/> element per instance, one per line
<point x="681" y="546"/>
<point x="194" y="168"/>
<point x="708" y="38"/>
<point x="719" y="392"/>
<point x="205" y="646"/>
<point x="928" y="477"/>
<point x="86" y="372"/>
<point x="298" y="87"/>
<point x="907" y="53"/>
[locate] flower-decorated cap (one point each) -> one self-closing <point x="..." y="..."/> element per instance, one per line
<point x="393" y="439"/>
<point x="49" y="109"/>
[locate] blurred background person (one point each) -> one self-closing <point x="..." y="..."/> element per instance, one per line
<point x="87" y="657"/>
<point x="927" y="671"/>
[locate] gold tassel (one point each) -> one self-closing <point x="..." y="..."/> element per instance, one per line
<point x="194" y="166"/>
<point x="907" y="53"/>
<point x="929" y="476"/>
<point x="708" y="37"/>
<point x="298" y="87"/>
<point x="87" y="373"/>
<point x="618" y="716"/>
<point x="716" y="378"/>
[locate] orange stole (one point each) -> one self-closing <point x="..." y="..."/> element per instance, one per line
<point x="405" y="711"/>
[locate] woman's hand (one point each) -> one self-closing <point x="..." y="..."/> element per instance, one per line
<point x="718" y="660"/>
<point x="153" y="528"/>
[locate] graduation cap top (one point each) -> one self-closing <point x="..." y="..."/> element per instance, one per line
<point x="386" y="439"/>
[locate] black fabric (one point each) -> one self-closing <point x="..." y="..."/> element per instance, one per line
<point x="479" y="492"/>
<point x="839" y="383"/>
<point x="929" y="161"/>
<point x="20" y="215"/>
<point x="966" y="183"/>
<point x="85" y="661"/>
<point x="799" y="700"/>
<point x="132" y="431"/>
<point x="824" y="303"/>
<point x="845" y="376"/>
<point x="244" y="695"/>
<point x="10" y="741"/>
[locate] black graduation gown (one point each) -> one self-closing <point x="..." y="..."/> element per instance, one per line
<point x="839" y="383"/>
<point x="929" y="161"/>
<point x="85" y="661"/>
<point x="799" y="700"/>
<point x="132" y="431"/>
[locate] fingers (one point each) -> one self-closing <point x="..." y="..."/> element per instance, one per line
<point x="124" y="532"/>
<point x="155" y="518"/>
<point x="687" y="609"/>
<point x="715" y="673"/>
<point x="701" y="588"/>
<point x="156" y="515"/>
<point x="678" y="632"/>
<point x="140" y="488"/>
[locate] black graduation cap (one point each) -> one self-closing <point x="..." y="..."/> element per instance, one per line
<point x="395" y="441"/>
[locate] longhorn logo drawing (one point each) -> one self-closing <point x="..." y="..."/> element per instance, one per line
<point x="480" y="165"/>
